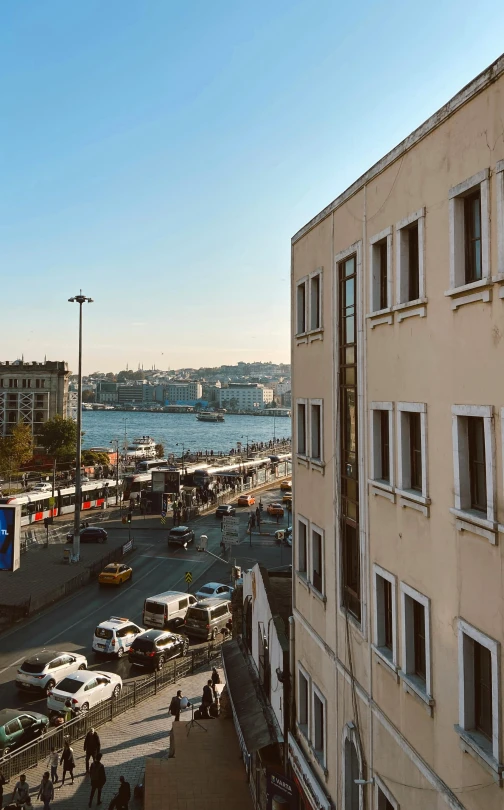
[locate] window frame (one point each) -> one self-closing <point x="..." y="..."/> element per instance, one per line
<point x="350" y="735"/>
<point x="302" y="282"/>
<point x="316" y="274"/>
<point x="404" y="460"/>
<point x="380" y="786"/>
<point x="499" y="182"/>
<point x="307" y="437"/>
<point x="316" y="529"/>
<point x="375" y="445"/>
<point x="374" y="271"/>
<point x="407" y="674"/>
<point x="304" y="728"/>
<point x="306" y="523"/>
<point x="389" y="656"/>
<point x="316" y="460"/>
<point x="461" y="476"/>
<point x="490" y="751"/>
<point x="320" y="754"/>
<point x="456" y="197"/>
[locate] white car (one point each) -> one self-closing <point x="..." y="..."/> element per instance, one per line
<point x="215" y="590"/>
<point x="115" y="636"/>
<point x="42" y="488"/>
<point x="84" y="689"/>
<point x="44" y="669"/>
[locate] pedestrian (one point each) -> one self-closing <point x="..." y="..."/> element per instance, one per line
<point x="46" y="791"/>
<point x="52" y="762"/>
<point x="92" y="746"/>
<point x="123" y="795"/>
<point x="175" y="705"/>
<point x="21" y="793"/>
<point x="184" y="703"/>
<point x="68" y="762"/>
<point x="215" y="680"/>
<point x="257" y="513"/>
<point x="98" y="779"/>
<point x="207" y="698"/>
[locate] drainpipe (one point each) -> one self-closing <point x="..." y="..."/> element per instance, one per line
<point x="289" y="691"/>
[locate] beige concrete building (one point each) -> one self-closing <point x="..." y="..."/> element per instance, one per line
<point x="398" y="396"/>
<point x="32" y="393"/>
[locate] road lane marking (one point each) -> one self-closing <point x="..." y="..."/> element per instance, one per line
<point x="14" y="663"/>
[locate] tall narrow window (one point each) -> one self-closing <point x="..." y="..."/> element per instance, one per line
<point x="415" y="435"/>
<point x="301" y="429"/>
<point x="352" y="775"/>
<point x="316" y="431"/>
<point x="303" y="698"/>
<point x="388" y="639"/>
<point x="301" y="308"/>
<point x="385" y="625"/>
<point x="350" y="545"/>
<point x="301" y="546"/>
<point x="413" y="262"/>
<point x="319" y="726"/>
<point x="317" y="561"/>
<point x="384" y="446"/>
<point x="315" y="314"/>
<point x="419" y="639"/>
<point x="477" y="463"/>
<point x="381" y="247"/>
<point x="472" y="236"/>
<point x="383" y="802"/>
<point x="483" y="690"/>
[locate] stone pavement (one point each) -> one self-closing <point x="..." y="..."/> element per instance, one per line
<point x="125" y="743"/>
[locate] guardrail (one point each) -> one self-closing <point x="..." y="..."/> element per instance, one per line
<point x="31" y="754"/>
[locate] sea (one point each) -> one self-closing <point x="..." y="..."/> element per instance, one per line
<point x="177" y="430"/>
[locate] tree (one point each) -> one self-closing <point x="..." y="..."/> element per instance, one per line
<point x="58" y="437"/>
<point x="159" y="448"/>
<point x="91" y="458"/>
<point x="88" y="396"/>
<point x="16" y="449"/>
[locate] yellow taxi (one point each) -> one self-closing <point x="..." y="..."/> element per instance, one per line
<point x="286" y="486"/>
<point x="115" y="574"/>
<point x="287" y="498"/>
<point x="275" y="509"/>
<point x="246" y="500"/>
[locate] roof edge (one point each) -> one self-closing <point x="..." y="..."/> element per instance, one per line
<point x="472" y="89"/>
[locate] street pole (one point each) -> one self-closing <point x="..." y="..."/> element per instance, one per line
<point x="80" y="299"/>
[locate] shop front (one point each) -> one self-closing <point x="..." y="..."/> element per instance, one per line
<point x="311" y="794"/>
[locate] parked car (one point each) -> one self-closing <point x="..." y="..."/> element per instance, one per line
<point x="84" y="690"/>
<point x="286" y="486"/>
<point x="275" y="509"/>
<point x="246" y="500"/>
<point x="207" y="618"/>
<point x="115" y="574"/>
<point x="115" y="636"/>
<point x="287" y="498"/>
<point x="180" y="536"/>
<point x="41" y="488"/>
<point x="225" y="510"/>
<point x="153" y="647"/>
<point x="43" y="670"/>
<point x="217" y="589"/>
<point x="167" y="610"/>
<point x="19" y="727"/>
<point x="91" y="534"/>
<point x="284" y="536"/>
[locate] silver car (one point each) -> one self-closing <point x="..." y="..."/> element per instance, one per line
<point x="43" y="670"/>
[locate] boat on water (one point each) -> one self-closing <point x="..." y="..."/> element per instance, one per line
<point x="209" y="416"/>
<point x="141" y="447"/>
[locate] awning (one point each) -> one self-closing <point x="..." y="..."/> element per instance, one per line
<point x="253" y="714"/>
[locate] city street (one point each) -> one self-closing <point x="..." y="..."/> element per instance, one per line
<point x="69" y="624"/>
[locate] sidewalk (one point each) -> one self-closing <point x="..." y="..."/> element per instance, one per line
<point x="125" y="743"/>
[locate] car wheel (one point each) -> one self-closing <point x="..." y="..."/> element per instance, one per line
<point x="120" y="652"/>
<point x="116" y="692"/>
<point x="82" y="666"/>
<point x="49" y="685"/>
<point x="5" y="751"/>
<point x="101" y="539"/>
<point x="84" y="708"/>
<point x="160" y="663"/>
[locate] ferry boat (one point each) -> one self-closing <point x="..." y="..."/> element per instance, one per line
<point x="141" y="447"/>
<point x="209" y="416"/>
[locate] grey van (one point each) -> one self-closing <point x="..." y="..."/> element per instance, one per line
<point x="206" y="618"/>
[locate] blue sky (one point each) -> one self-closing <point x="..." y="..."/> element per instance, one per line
<point x="160" y="155"/>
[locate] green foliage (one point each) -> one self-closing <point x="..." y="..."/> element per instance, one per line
<point x="90" y="458"/>
<point x="16" y="449"/>
<point x="88" y="396"/>
<point x="124" y="376"/>
<point x="159" y="448"/>
<point x="58" y="437"/>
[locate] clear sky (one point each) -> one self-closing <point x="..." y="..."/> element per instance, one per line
<point x="160" y="155"/>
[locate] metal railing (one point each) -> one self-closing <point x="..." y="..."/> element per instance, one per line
<point x="132" y="694"/>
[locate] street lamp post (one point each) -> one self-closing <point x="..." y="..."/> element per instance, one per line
<point x="116" y="442"/>
<point x="79" y="299"/>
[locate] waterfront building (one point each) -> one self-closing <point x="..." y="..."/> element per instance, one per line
<point x="245" y="396"/>
<point x="398" y="396"/>
<point x="32" y="393"/>
<point x="106" y="392"/>
<point x="186" y="392"/>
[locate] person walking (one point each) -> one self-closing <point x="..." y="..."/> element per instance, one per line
<point x="21" y="793"/>
<point x="68" y="762"/>
<point x="92" y="746"/>
<point x="98" y="779"/>
<point x="123" y="795"/>
<point x="46" y="791"/>
<point x="52" y="762"/>
<point x="207" y="698"/>
<point x="175" y="705"/>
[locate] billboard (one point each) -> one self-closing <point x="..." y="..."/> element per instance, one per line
<point x="10" y="524"/>
<point x="166" y="481"/>
<point x="281" y="792"/>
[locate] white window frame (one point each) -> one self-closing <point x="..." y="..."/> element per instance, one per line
<point x="305" y="402"/>
<point x="310" y="328"/>
<point x="456" y="215"/>
<point x="403" y="465"/>
<point x="320" y="403"/>
<point x="321" y="756"/>
<point x="302" y="282"/>
<point x="461" y="464"/>
<point x="306" y="523"/>
<point x="349" y="733"/>
<point x="374" y="276"/>
<point x="411" y="683"/>
<point x="402" y="258"/>
<point x="499" y="182"/>
<point x="375" y="444"/>
<point x="390" y="658"/>
<point x="318" y="530"/>
<point x="466" y="696"/>
<point x="379" y="785"/>
<point x="303" y="728"/>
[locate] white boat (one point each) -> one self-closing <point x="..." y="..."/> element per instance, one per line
<point x="142" y="447"/>
<point x="209" y="416"/>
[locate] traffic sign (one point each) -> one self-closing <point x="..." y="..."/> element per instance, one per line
<point x="229" y="522"/>
<point x="188" y="577"/>
<point x="163" y="520"/>
<point x="163" y="514"/>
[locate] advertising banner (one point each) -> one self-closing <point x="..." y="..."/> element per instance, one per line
<point x="281" y="792"/>
<point x="10" y="525"/>
<point x="166" y="481"/>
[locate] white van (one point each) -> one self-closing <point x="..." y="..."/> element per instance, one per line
<point x="167" y="609"/>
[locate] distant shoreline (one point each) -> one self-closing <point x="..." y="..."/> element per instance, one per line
<point x="190" y="413"/>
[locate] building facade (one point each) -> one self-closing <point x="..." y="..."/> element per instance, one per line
<point x="182" y="392"/>
<point x="245" y="397"/>
<point x="106" y="392"/>
<point x="32" y="393"/>
<point x="398" y="398"/>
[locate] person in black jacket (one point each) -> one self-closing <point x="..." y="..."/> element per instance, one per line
<point x="92" y="746"/>
<point x="124" y="794"/>
<point x="207" y="698"/>
<point x="98" y="779"/>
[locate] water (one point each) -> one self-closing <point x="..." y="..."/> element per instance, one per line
<point x="175" y="429"/>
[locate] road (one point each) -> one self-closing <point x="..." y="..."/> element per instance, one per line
<point x="69" y="625"/>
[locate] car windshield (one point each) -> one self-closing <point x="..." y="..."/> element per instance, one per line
<point x="69" y="685"/>
<point x="178" y="531"/>
<point x="143" y="644"/>
<point x="103" y="632"/>
<point x="154" y="607"/>
<point x="33" y="668"/>
<point x="196" y="613"/>
<point x="111" y="569"/>
<point x="206" y="589"/>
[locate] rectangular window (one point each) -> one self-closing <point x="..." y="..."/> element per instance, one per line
<point x="303" y="702"/>
<point x="319" y="723"/>
<point x="301" y="301"/>
<point x="474" y="462"/>
<point x="302" y="544"/>
<point x="483" y="690"/>
<point x="415" y="442"/>
<point x="380" y="264"/>
<point x="316" y="431"/>
<point x="472" y="236"/>
<point x="315" y="302"/>
<point x="412" y="440"/>
<point x="477" y="463"/>
<point x="419" y="639"/>
<point x="381" y="445"/>
<point x="384" y="446"/>
<point x="317" y="576"/>
<point x="381" y="249"/>
<point x="410" y="258"/>
<point x="413" y="262"/>
<point x="385" y="626"/>
<point x="301" y="429"/>
<point x="416" y="652"/>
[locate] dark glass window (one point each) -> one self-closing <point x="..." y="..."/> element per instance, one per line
<point x="419" y="639"/>
<point x="301" y="429"/>
<point x="315" y="320"/>
<point x="301" y="308"/>
<point x="415" y="436"/>
<point x="382" y="274"/>
<point x="301" y="547"/>
<point x="317" y="561"/>
<point x="387" y="614"/>
<point x="483" y="690"/>
<point x="316" y="430"/>
<point x="384" y="445"/>
<point x="477" y="463"/>
<point x="472" y="237"/>
<point x="383" y="802"/>
<point x="413" y="263"/>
